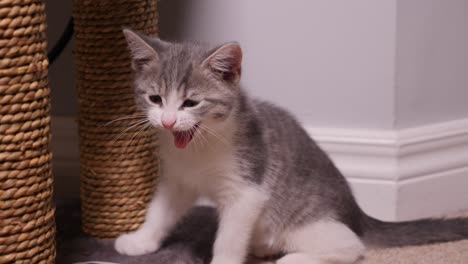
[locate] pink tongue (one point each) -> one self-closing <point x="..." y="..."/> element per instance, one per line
<point x="181" y="139"/>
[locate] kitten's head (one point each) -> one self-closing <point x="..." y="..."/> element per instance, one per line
<point x="184" y="87"/>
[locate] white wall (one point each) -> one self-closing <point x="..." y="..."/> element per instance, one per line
<point x="432" y="61"/>
<point x="358" y="73"/>
<point x="330" y="62"/>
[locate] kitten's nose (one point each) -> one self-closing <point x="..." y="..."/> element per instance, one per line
<point x="168" y="119"/>
<point x="168" y="123"/>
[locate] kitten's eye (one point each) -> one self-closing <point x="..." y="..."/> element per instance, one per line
<point x="189" y="103"/>
<point x="155" y="99"/>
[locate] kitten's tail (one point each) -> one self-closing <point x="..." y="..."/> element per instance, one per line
<point x="378" y="233"/>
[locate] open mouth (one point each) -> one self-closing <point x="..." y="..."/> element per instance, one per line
<point x="183" y="138"/>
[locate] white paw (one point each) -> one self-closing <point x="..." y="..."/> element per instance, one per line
<point x="136" y="243"/>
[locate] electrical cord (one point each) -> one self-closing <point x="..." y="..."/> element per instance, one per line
<point x="61" y="43"/>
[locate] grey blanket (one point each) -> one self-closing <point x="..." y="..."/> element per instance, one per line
<point x="190" y="242"/>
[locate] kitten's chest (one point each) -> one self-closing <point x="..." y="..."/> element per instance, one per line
<point x="200" y="170"/>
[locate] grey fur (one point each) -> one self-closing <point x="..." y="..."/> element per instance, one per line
<point x="179" y="66"/>
<point x="276" y="153"/>
<point x="426" y="231"/>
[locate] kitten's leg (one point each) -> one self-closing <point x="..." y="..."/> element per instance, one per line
<point x="238" y="215"/>
<point x="323" y="242"/>
<point x="165" y="209"/>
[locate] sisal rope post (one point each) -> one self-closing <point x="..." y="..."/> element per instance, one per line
<point x="27" y="227"/>
<point x="118" y="163"/>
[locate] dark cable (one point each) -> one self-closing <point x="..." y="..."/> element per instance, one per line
<point x="61" y="43"/>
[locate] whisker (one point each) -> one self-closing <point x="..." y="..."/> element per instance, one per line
<point x="207" y="143"/>
<point x="199" y="137"/>
<point x="219" y="137"/>
<point x="143" y="128"/>
<point x="213" y="133"/>
<point x="203" y="137"/>
<point x="124" y="118"/>
<point x="128" y="128"/>
<point x="199" y="140"/>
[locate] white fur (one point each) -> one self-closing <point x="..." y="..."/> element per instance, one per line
<point x="136" y="243"/>
<point x="266" y="239"/>
<point x="322" y="242"/>
<point x="187" y="175"/>
<point x="238" y="214"/>
<point x="168" y="205"/>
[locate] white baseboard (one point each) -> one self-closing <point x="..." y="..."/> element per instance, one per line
<point x="396" y="175"/>
<point x="403" y="174"/>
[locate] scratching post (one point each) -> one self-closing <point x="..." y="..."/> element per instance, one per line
<point x="118" y="165"/>
<point x="27" y="228"/>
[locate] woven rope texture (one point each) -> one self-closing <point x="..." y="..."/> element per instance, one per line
<point x="118" y="162"/>
<point x="27" y="227"/>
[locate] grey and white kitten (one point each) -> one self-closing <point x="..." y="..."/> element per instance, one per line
<point x="276" y="192"/>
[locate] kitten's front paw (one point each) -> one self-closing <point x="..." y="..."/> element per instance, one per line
<point x="136" y="243"/>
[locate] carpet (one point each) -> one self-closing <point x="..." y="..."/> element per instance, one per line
<point x="189" y="243"/>
<point x="192" y="240"/>
<point x="443" y="253"/>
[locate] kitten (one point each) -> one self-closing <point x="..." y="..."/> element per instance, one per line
<point x="275" y="190"/>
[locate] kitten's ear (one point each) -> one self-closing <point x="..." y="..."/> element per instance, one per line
<point x="225" y="62"/>
<point x="141" y="52"/>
